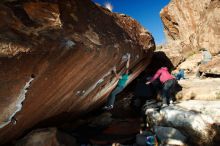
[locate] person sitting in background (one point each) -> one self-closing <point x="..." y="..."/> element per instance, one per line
<point x="180" y="74"/>
<point x="206" y="57"/>
<point x="168" y="82"/>
<point x="120" y="86"/>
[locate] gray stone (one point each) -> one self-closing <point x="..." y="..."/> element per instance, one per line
<point x="167" y="133"/>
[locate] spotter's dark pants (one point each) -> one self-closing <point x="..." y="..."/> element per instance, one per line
<point x="168" y="90"/>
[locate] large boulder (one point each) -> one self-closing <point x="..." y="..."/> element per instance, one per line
<point x="170" y="136"/>
<point x="190" y="25"/>
<point x="208" y="31"/>
<point x="57" y="58"/>
<point x="193" y="22"/>
<point x="203" y="89"/>
<point x="195" y="123"/>
<point x="191" y="63"/>
<point x="212" y="67"/>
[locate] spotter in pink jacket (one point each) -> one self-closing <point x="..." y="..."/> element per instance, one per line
<point x="164" y="75"/>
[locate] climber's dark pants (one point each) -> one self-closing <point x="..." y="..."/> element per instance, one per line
<point x="168" y="90"/>
<point x="111" y="97"/>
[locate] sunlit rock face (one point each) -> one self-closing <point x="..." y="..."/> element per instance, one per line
<point x="213" y="67"/>
<point x="56" y="58"/>
<point x="196" y="89"/>
<point x="190" y="25"/>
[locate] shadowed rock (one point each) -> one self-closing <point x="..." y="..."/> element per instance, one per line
<point x="47" y="137"/>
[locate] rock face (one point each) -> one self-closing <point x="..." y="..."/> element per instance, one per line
<point x="97" y="128"/>
<point x="57" y="57"/>
<point x="190" y="25"/>
<point x="213" y="67"/>
<point x="193" y="22"/>
<point x="205" y="89"/>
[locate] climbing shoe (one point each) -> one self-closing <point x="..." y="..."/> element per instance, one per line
<point x="164" y="105"/>
<point x="171" y="103"/>
<point x="109" y="107"/>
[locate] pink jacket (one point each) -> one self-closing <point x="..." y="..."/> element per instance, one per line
<point x="164" y="75"/>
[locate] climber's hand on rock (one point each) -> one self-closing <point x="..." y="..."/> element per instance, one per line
<point x="129" y="55"/>
<point x="114" y="69"/>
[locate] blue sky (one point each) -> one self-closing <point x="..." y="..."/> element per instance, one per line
<point x="144" y="11"/>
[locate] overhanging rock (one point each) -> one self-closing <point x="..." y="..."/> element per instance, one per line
<point x="59" y="55"/>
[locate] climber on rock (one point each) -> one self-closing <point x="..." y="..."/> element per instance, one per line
<point x="120" y="86"/>
<point x="168" y="82"/>
<point x="180" y="74"/>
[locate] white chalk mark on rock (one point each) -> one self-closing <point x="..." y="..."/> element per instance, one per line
<point x="20" y="99"/>
<point x="125" y="57"/>
<point x="97" y="83"/>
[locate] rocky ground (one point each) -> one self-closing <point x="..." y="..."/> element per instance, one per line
<point x="204" y="89"/>
<point x="99" y="127"/>
<point x="192" y="120"/>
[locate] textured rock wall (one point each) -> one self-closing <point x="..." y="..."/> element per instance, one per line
<point x="190" y="25"/>
<point x="57" y="57"/>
